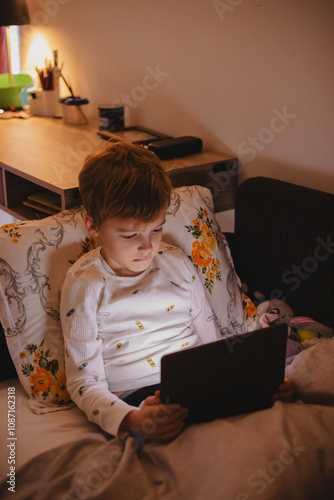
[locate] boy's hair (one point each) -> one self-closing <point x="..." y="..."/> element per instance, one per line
<point x="124" y="180"/>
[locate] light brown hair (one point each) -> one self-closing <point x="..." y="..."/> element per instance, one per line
<point x="124" y="180"/>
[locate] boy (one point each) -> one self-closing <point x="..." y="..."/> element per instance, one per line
<point x="130" y="301"/>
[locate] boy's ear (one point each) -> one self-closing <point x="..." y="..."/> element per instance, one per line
<point x="90" y="225"/>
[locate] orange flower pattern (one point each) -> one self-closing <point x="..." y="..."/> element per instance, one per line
<point x="201" y="256"/>
<point x="41" y="379"/>
<point x="58" y="389"/>
<point x="87" y="245"/>
<point x="207" y="239"/>
<point x="44" y="375"/>
<point x="249" y="307"/>
<point x="12" y="230"/>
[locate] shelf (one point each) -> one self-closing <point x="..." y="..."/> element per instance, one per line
<point x="24" y="213"/>
<point x="16" y="190"/>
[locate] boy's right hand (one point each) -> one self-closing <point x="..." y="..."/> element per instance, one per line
<point x="158" y="422"/>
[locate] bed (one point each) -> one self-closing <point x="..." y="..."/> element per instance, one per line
<point x="282" y="247"/>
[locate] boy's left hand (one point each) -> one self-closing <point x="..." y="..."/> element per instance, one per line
<point x="285" y="391"/>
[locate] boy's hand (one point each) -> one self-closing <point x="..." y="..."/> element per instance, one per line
<point x="285" y="391"/>
<point x="158" y="422"/>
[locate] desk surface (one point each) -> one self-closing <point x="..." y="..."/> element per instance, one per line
<point x="47" y="149"/>
<point x="51" y="152"/>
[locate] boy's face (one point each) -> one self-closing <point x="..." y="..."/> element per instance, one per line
<point x="128" y="245"/>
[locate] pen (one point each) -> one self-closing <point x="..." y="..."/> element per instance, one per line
<point x="55" y="58"/>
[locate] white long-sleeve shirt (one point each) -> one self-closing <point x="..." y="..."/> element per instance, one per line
<point x="116" y="329"/>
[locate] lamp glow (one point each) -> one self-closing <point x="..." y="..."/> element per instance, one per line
<point x="13" y="13"/>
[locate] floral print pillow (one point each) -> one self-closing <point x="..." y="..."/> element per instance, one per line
<point x="191" y="225"/>
<point x="35" y="256"/>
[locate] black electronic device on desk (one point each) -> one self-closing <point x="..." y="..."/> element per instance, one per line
<point x="164" y="146"/>
<point x="174" y="147"/>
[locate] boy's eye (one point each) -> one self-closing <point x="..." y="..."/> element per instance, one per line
<point x="129" y="236"/>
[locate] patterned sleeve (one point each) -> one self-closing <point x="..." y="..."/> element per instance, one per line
<point x="203" y="316"/>
<point x="86" y="380"/>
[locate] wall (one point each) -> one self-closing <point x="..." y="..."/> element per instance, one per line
<point x="254" y="77"/>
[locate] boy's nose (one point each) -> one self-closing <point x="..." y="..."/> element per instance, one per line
<point x="145" y="243"/>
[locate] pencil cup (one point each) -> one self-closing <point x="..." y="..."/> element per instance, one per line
<point x="44" y="103"/>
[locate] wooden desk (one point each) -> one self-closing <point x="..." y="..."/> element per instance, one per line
<point x="45" y="153"/>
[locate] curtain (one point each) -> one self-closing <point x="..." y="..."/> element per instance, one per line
<point x="3" y="51"/>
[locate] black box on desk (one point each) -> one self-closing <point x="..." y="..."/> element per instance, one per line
<point x="166" y="149"/>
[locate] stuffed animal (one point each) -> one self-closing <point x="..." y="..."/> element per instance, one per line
<point x="303" y="331"/>
<point x="278" y="307"/>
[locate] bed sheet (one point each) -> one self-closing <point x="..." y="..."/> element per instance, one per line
<point x="35" y="433"/>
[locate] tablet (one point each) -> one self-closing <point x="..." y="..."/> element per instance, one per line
<point x="227" y="377"/>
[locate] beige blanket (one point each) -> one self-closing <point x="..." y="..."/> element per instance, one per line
<point x="285" y="452"/>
